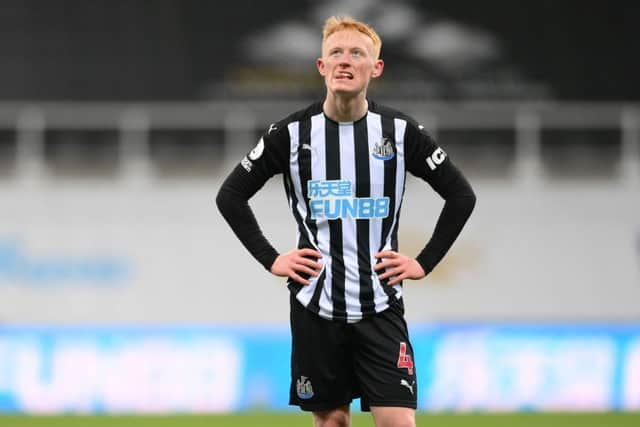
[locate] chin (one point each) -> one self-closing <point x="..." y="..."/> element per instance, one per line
<point x="345" y="90"/>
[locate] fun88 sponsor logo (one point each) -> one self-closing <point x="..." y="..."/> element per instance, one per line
<point x="333" y="199"/>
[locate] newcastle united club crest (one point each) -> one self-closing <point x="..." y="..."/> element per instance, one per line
<point x="383" y="150"/>
<point x="303" y="387"/>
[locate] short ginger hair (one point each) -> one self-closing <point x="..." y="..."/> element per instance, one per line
<point x="339" y="23"/>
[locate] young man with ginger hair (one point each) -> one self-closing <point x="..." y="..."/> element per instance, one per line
<point x="344" y="162"/>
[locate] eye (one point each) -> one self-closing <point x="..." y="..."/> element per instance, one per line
<point x="335" y="52"/>
<point x="356" y="53"/>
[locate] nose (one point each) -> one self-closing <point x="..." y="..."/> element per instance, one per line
<point x="344" y="60"/>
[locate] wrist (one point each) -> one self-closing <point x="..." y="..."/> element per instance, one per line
<point x="270" y="260"/>
<point x="426" y="268"/>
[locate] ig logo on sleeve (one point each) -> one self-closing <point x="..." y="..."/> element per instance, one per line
<point x="436" y="158"/>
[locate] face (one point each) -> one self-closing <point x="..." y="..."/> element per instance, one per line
<point x="348" y="63"/>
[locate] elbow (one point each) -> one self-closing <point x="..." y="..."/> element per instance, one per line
<point x="223" y="200"/>
<point x="220" y="199"/>
<point x="465" y="202"/>
<point x="472" y="201"/>
<point x="229" y="201"/>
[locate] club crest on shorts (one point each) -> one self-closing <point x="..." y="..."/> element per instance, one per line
<point x="383" y="150"/>
<point x="303" y="387"/>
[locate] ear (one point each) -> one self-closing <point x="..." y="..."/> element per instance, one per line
<point x="321" y="68"/>
<point x="377" y="68"/>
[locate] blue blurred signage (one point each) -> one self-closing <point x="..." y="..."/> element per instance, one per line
<point x="199" y="369"/>
<point x="19" y="267"/>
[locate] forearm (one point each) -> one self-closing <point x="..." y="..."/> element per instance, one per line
<point x="459" y="203"/>
<point x="233" y="203"/>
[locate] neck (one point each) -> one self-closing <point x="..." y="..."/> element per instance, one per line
<point x="342" y="109"/>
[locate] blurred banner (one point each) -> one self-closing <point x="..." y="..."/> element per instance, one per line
<point x="81" y="253"/>
<point x="206" y="369"/>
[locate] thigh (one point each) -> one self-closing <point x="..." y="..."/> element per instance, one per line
<point x="333" y="417"/>
<point x="383" y="360"/>
<point x="384" y="416"/>
<point x="321" y="374"/>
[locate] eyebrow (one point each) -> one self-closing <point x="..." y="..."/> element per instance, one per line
<point x="354" y="48"/>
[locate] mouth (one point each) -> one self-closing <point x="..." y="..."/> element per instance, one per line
<point x="344" y="75"/>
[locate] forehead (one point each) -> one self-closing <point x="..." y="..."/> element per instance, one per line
<point x="347" y="39"/>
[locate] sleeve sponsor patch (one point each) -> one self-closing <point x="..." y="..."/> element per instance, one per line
<point x="246" y="164"/>
<point x="436" y="158"/>
<point x="257" y="150"/>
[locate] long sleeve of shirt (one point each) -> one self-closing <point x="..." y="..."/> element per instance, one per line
<point x="429" y="162"/>
<point x="264" y="161"/>
<point x="233" y="203"/>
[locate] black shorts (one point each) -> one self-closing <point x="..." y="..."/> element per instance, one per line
<point x="335" y="362"/>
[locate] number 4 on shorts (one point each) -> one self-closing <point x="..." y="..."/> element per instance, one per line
<point x="404" y="359"/>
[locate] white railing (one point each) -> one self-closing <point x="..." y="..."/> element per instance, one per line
<point x="240" y="120"/>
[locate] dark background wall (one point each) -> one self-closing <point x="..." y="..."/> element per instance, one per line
<point x="584" y="49"/>
<point x="172" y="49"/>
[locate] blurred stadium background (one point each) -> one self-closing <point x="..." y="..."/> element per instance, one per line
<point x="122" y="291"/>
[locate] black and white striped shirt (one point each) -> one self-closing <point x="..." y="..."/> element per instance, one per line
<point x="344" y="183"/>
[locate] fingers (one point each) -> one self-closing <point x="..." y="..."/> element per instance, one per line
<point x="386" y="264"/>
<point x="296" y="263"/>
<point x="304" y="264"/>
<point x="295" y="270"/>
<point x="391" y="272"/>
<point x="299" y="268"/>
<point x="391" y="258"/>
<point x="295" y="276"/>
<point x="394" y="266"/>
<point x="395" y="275"/>
<point x="398" y="279"/>
<point x="308" y="262"/>
<point x="387" y="254"/>
<point x="309" y="252"/>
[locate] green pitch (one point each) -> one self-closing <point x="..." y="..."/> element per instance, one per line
<point x="296" y="419"/>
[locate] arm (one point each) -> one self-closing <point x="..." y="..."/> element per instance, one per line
<point x="265" y="160"/>
<point x="429" y="162"/>
<point x="459" y="203"/>
<point x="233" y="203"/>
